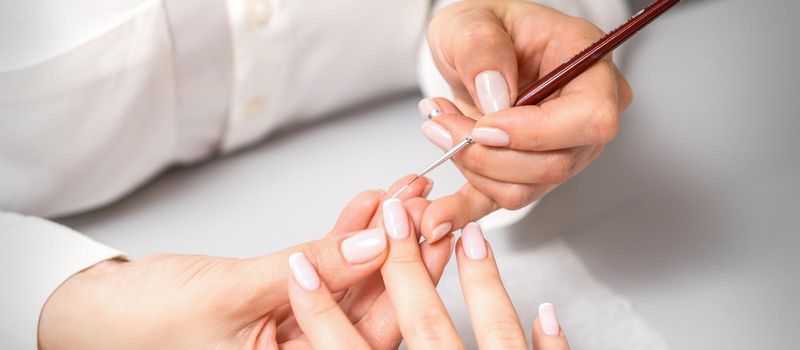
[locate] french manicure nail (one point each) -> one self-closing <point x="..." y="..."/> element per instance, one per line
<point x="548" y="320"/>
<point x="441" y="230"/>
<point x="303" y="272"/>
<point x="473" y="242"/>
<point x="364" y="246"/>
<point x="428" y="108"/>
<point x="395" y="219"/>
<point x="492" y="91"/>
<point x="437" y="135"/>
<point x="490" y="137"/>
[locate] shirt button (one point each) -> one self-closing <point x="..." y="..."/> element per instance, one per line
<point x="258" y="12"/>
<point x="254" y="107"/>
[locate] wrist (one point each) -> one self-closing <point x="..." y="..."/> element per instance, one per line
<point x="61" y="312"/>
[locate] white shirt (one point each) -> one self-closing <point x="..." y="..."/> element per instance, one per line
<point x="99" y="96"/>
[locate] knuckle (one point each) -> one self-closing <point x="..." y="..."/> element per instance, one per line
<point x="321" y="258"/>
<point x="559" y="170"/>
<point x="483" y="278"/>
<point x="474" y="158"/>
<point x="481" y="34"/>
<point x="588" y="29"/>
<point x="605" y="123"/>
<point x="405" y="259"/>
<point x="325" y="308"/>
<point x="378" y="328"/>
<point x="514" y="199"/>
<point x="506" y="334"/>
<point x="429" y="325"/>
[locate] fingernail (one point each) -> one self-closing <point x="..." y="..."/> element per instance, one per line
<point x="364" y="246"/>
<point x="428" y="188"/>
<point x="473" y="242"/>
<point x="395" y="219"/>
<point x="548" y="320"/>
<point x="303" y="272"/>
<point x="441" y="230"/>
<point x="490" y="137"/>
<point x="492" y="91"/>
<point x="428" y="108"/>
<point x="437" y="135"/>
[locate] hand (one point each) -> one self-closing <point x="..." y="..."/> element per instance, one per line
<point x="487" y="51"/>
<point x="422" y="317"/>
<point x="182" y="301"/>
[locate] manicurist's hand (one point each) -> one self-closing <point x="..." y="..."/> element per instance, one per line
<point x="192" y="302"/>
<point x="488" y="51"/>
<point x="421" y="315"/>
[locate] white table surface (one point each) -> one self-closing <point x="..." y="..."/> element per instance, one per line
<point x="692" y="213"/>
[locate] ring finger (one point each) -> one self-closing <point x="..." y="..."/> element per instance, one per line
<point x="494" y="319"/>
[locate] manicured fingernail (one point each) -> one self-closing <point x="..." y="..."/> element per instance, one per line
<point x="303" y="272"/>
<point x="548" y="320"/>
<point x="428" y="188"/>
<point x="490" y="137"/>
<point x="428" y="108"/>
<point x="441" y="230"/>
<point x="492" y="91"/>
<point x="364" y="246"/>
<point x="395" y="219"/>
<point x="473" y="242"/>
<point x="437" y="135"/>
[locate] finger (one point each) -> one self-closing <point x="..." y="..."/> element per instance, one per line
<point x="318" y="314"/>
<point x="494" y="320"/>
<point x="415" y="207"/>
<point x="585" y="112"/>
<point x="341" y="260"/>
<point x="451" y="212"/>
<point x="476" y="55"/>
<point x="399" y="190"/>
<point x="378" y="325"/>
<point x="497" y="163"/>
<point x="421" y="315"/>
<point x="357" y="214"/>
<point x="547" y="333"/>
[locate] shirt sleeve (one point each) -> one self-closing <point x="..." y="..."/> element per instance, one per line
<point x="36" y="256"/>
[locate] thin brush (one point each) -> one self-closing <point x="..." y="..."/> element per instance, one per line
<point x="457" y="148"/>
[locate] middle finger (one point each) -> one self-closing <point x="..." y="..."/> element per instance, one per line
<point x="421" y="315"/>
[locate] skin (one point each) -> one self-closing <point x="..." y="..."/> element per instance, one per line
<point x="192" y="301"/>
<point x="422" y="317"/>
<point x="549" y="143"/>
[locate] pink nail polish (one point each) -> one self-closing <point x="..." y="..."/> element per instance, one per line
<point x="303" y="272"/>
<point x="437" y="135"/>
<point x="364" y="246"/>
<point x="395" y="219"/>
<point x="473" y="242"/>
<point x="548" y="320"/>
<point x="428" y="108"/>
<point x="441" y="230"/>
<point x="490" y="137"/>
<point x="492" y="91"/>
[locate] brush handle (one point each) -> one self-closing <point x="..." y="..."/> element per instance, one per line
<point x="562" y="75"/>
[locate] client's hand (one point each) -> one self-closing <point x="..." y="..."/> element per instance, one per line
<point x="422" y="317"/>
<point x="188" y="302"/>
<point x="488" y="51"/>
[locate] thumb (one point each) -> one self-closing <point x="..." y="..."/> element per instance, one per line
<point x="340" y="260"/>
<point x="485" y="61"/>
